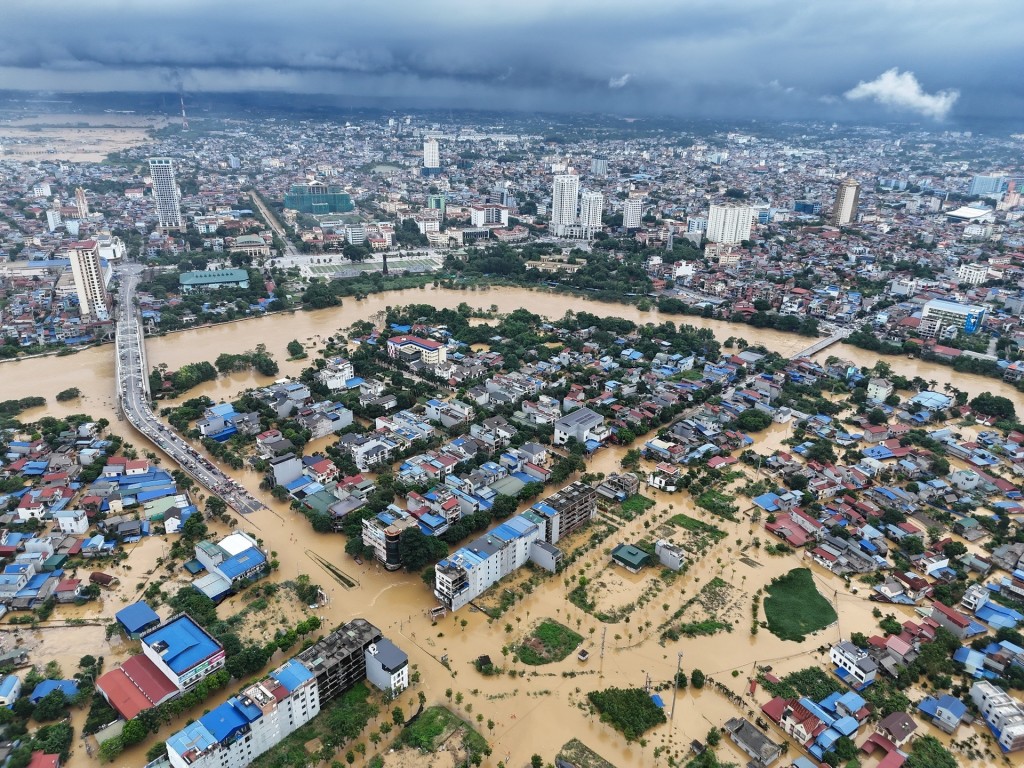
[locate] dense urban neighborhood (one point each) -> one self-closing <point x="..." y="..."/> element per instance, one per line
<point x="395" y="439"/>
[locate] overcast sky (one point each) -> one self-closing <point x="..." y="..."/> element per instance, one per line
<point x="931" y="60"/>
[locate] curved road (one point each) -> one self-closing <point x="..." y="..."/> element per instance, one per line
<point x="133" y="385"/>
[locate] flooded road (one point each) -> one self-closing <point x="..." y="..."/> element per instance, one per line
<point x="523" y="707"/>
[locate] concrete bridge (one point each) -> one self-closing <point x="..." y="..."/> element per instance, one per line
<point x="821" y="344"/>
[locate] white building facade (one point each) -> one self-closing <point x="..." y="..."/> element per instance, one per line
<point x="90" y="280"/>
<point x="166" y="193"/>
<point x="564" y="195"/>
<point x="729" y="224"/>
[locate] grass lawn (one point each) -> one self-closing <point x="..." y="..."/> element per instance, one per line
<point x="549" y="642"/>
<point x="794" y="608"/>
<point x="433" y="728"/>
<point x="697" y="526"/>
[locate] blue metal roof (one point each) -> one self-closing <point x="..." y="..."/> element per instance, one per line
<point x="242" y="562"/>
<point x="69" y="688"/>
<point x="292" y="674"/>
<point x="7" y="685"/>
<point x="187" y="644"/>
<point x="136" y="617"/>
<point x="192" y="736"/>
<point x="224" y="721"/>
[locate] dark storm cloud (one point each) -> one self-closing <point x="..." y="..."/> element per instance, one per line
<point x="749" y="58"/>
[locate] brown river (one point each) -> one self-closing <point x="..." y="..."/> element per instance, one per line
<point x="544" y="708"/>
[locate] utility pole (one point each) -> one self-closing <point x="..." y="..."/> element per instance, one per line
<point x="675" y="690"/>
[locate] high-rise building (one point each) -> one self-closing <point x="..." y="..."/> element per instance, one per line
<point x="90" y="281"/>
<point x="599" y="166"/>
<point x="729" y="223"/>
<point x="81" y="203"/>
<point x="165" y="190"/>
<point x="632" y="212"/>
<point x="591" y="208"/>
<point x="847" y="198"/>
<point x="564" y="193"/>
<point x="431" y="154"/>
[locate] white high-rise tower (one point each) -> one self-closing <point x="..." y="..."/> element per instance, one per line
<point x="431" y="154"/>
<point x="729" y="224"/>
<point x="846" y="202"/>
<point x="90" y="282"/>
<point x="165" y="190"/>
<point x="564" y="194"/>
<point x="632" y="212"/>
<point x="591" y="208"/>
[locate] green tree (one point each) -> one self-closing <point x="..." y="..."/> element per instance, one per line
<point x="752" y="420"/>
<point x="998" y="406"/>
<point x="398" y="716"/>
<point x="697" y="679"/>
<point x="928" y="752"/>
<point x="111" y="748"/>
<point x="51" y="707"/>
<point x="133" y="732"/>
<point x="877" y="416"/>
<point x="416" y="549"/>
<point x="503" y="507"/>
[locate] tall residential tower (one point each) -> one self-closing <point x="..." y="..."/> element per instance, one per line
<point x="846" y="202"/>
<point x="632" y="212"/>
<point x="729" y="224"/>
<point x="165" y="190"/>
<point x="564" y="194"/>
<point x="431" y="154"/>
<point x="90" y="282"/>
<point x="591" y="208"/>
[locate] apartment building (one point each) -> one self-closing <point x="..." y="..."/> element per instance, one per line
<point x="566" y="510"/>
<point x="471" y="570"/>
<point x="339" y="660"/>
<point x="1004" y="714"/>
<point x="245" y="726"/>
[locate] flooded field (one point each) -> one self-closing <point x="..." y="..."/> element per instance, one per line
<point x="524" y="702"/>
<point x="76" y="138"/>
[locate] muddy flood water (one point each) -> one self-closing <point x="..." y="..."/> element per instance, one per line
<point x="540" y="708"/>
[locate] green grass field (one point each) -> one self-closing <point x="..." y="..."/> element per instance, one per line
<point x="549" y="642"/>
<point x="794" y="607"/>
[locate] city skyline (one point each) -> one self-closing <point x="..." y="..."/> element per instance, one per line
<point x="777" y="62"/>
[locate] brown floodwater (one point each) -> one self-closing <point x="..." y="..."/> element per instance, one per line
<point x="524" y="708"/>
